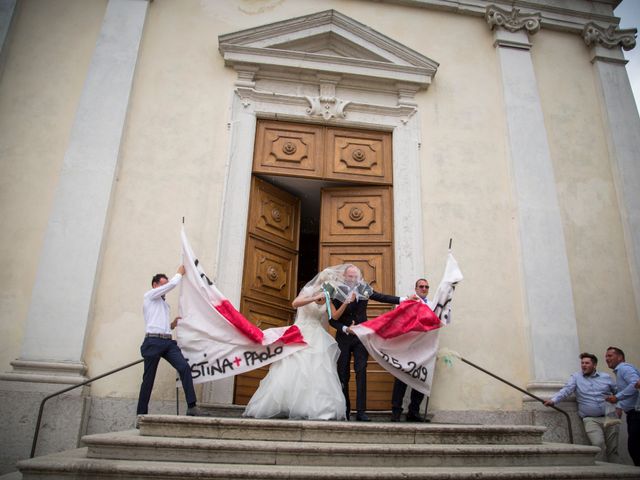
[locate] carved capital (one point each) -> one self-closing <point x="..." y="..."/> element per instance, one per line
<point x="513" y="20"/>
<point x="609" y="37"/>
<point x="326" y="107"/>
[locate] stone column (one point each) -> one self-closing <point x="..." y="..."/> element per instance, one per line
<point x="547" y="293"/>
<point x="622" y="130"/>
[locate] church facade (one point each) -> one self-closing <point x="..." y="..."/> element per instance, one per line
<point x="292" y="135"/>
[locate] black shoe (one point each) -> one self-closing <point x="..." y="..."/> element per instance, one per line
<point x="412" y="417"/>
<point x="197" y="412"/>
<point x="395" y="416"/>
<point x="362" y="417"/>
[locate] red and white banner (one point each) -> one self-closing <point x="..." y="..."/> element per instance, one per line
<point x="215" y="338"/>
<point x="404" y="341"/>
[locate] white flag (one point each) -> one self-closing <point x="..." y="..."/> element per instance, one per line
<point x="404" y="341"/>
<point x="215" y="338"/>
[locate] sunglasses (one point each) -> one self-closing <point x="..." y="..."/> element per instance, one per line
<point x="423" y="286"/>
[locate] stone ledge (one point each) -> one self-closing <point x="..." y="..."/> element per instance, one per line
<point x="337" y="432"/>
<point x="133" y="446"/>
<point x="74" y="464"/>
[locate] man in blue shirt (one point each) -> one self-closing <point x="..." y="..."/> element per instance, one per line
<point x="626" y="396"/>
<point x="591" y="387"/>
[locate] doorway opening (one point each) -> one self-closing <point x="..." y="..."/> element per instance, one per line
<point x="320" y="196"/>
<point x="309" y="191"/>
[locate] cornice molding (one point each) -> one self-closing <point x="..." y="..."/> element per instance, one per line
<point x="327" y="50"/>
<point x="552" y="16"/>
<point x="610" y="36"/>
<point x="512" y="21"/>
<point x="326" y="44"/>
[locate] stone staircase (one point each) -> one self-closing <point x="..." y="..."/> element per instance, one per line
<point x="172" y="447"/>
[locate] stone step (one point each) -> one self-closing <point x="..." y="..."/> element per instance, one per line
<point x="131" y="445"/>
<point x="74" y="464"/>
<point x="338" y="432"/>
<point x="224" y="410"/>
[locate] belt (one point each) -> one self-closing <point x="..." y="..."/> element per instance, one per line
<point x="166" y="336"/>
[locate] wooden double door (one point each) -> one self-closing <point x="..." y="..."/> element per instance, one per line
<point x="355" y="225"/>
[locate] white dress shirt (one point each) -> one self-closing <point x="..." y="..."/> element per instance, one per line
<point x="156" y="311"/>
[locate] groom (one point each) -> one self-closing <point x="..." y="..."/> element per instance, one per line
<point x="348" y="342"/>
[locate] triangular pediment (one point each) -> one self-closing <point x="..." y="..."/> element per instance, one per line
<point x="329" y="43"/>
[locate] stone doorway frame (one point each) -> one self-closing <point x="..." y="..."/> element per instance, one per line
<point x="373" y="91"/>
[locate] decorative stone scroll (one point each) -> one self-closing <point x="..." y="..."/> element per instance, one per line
<point x="609" y="37"/>
<point x="512" y="21"/>
<point x="327" y="107"/>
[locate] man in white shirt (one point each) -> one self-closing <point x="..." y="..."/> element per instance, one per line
<point x="399" y="387"/>
<point x="158" y="343"/>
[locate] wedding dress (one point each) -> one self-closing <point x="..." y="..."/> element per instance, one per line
<point x="305" y="384"/>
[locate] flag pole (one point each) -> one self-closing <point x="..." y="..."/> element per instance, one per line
<point x="426" y="406"/>
<point x="177" y="379"/>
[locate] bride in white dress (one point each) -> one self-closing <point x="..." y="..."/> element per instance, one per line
<point x="305" y="384"/>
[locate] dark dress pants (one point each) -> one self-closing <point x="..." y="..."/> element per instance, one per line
<point x="349" y="344"/>
<point x="152" y="350"/>
<point x="633" y="430"/>
<point x="399" y="389"/>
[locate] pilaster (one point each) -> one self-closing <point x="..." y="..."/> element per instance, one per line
<point x="622" y="131"/>
<point x="62" y="297"/>
<point x="547" y="293"/>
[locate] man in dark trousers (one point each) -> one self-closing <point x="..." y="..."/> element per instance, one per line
<point x="626" y="397"/>
<point x="399" y="387"/>
<point x="158" y="343"/>
<point x="356" y="312"/>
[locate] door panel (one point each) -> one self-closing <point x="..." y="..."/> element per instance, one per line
<point x="357" y="215"/>
<point x="270" y="268"/>
<point x="269" y="273"/>
<point x="273" y="215"/>
<point x="375" y="262"/>
<point x="358" y="156"/>
<point x="289" y="149"/>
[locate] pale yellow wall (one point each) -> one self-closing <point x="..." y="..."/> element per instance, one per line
<point x="175" y="147"/>
<point x="467" y="196"/>
<point x="49" y="51"/>
<point x="598" y="264"/>
<point x="171" y="165"/>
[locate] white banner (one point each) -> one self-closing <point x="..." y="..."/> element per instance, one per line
<point x="215" y="338"/>
<point x="404" y="341"/>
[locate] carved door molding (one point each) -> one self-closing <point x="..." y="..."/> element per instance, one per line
<point x="330" y="153"/>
